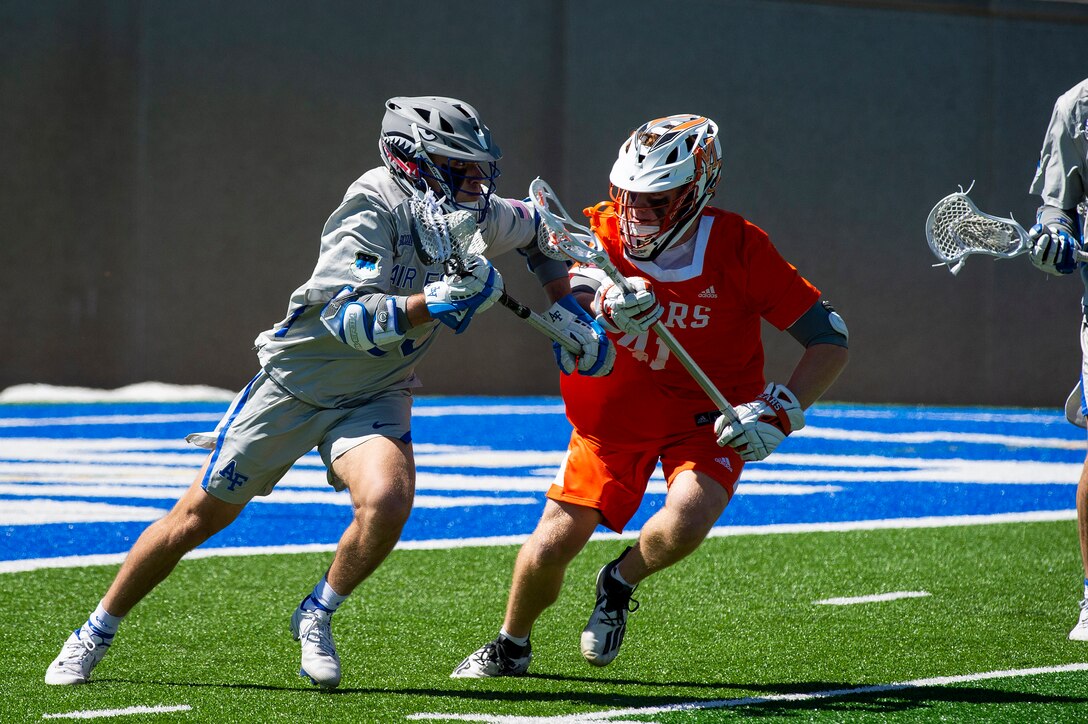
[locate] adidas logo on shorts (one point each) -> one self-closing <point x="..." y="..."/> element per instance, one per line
<point x="725" y="463"/>
<point x="708" y="293"/>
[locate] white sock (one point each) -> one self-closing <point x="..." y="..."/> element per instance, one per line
<point x="1086" y="589"/>
<point x="518" y="640"/>
<point x="102" y="623"/>
<point x="323" y="597"/>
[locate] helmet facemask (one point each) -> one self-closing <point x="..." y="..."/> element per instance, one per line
<point x="453" y="182"/>
<point x="650" y="222"/>
<point x="664" y="177"/>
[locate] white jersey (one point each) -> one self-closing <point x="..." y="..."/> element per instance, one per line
<point x="367" y="245"/>
<point x="1061" y="177"/>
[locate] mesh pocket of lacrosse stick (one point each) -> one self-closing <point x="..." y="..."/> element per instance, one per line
<point x="441" y="236"/>
<point x="956" y="229"/>
<point x="559" y="236"/>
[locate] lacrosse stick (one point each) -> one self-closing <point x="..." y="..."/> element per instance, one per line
<point x="452" y="239"/>
<point x="956" y="229"/>
<point x="561" y="237"/>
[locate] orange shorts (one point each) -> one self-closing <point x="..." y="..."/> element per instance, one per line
<point x="614" y="482"/>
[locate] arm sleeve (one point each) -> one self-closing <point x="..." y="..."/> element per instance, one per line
<point x="353" y="276"/>
<point x="543" y="266"/>
<point x="1059" y="178"/>
<point x="509" y="226"/>
<point x="512" y="224"/>
<point x="357" y="249"/>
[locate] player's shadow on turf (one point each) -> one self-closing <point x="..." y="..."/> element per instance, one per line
<point x="874" y="702"/>
<point x="890" y="702"/>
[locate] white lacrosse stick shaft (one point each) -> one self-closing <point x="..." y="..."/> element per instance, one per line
<point x="575" y="241"/>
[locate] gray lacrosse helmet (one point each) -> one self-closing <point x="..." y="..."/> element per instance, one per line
<point x="415" y="130"/>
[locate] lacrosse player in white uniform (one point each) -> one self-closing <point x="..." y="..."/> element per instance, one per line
<point x="338" y="372"/>
<point x="1062" y="183"/>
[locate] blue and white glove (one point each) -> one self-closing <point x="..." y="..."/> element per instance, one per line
<point x="597" y="355"/>
<point x="762" y="423"/>
<point x="1052" y="249"/>
<point x="454" y="299"/>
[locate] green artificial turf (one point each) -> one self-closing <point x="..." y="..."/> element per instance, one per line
<point x="736" y="619"/>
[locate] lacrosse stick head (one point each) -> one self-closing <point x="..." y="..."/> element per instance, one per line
<point x="558" y="235"/>
<point x="956" y="229"/>
<point x="439" y="236"/>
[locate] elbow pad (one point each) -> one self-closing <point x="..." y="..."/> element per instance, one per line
<point x="821" y="324"/>
<point x="367" y="322"/>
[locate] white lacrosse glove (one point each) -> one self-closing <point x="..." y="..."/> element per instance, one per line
<point x="455" y="298"/>
<point x="1052" y="249"/>
<point x="597" y="355"/>
<point x="633" y="312"/>
<point x="762" y="423"/>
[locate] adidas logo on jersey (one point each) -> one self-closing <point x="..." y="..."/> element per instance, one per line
<point x="708" y="293"/>
<point x="725" y="463"/>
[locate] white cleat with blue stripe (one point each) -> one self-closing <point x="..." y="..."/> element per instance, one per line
<point x="320" y="663"/>
<point x="79" y="655"/>
<point x="1080" y="631"/>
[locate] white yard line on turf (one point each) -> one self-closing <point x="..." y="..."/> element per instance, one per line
<point x="917" y="437"/>
<point x="108" y="420"/>
<point x="100" y="713"/>
<point x="148" y="419"/>
<point x="610" y="716"/>
<point x="875" y="598"/>
<point x="45" y="511"/>
<point x="1040" y="516"/>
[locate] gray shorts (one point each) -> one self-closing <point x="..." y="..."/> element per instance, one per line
<point x="266" y="430"/>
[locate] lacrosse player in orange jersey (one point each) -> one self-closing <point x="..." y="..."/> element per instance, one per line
<point x="1061" y="182"/>
<point x="710" y="276"/>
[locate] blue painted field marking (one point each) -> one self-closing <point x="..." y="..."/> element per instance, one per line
<point x="104" y="470"/>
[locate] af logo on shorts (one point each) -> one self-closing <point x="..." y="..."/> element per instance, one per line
<point x="230" y="472"/>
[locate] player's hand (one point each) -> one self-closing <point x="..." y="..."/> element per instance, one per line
<point x="761" y="424"/>
<point x="597" y="353"/>
<point x="1052" y="249"/>
<point x="633" y="312"/>
<point x="455" y="298"/>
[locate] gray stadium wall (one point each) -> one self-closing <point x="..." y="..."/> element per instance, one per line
<point x="165" y="168"/>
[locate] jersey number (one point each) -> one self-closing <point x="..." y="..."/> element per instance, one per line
<point x="679" y="315"/>
<point x="637" y="344"/>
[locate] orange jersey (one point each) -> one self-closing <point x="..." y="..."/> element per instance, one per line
<point x="713" y="307"/>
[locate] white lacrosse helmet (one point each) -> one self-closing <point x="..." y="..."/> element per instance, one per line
<point x="675" y="152"/>
<point x="415" y="130"/>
